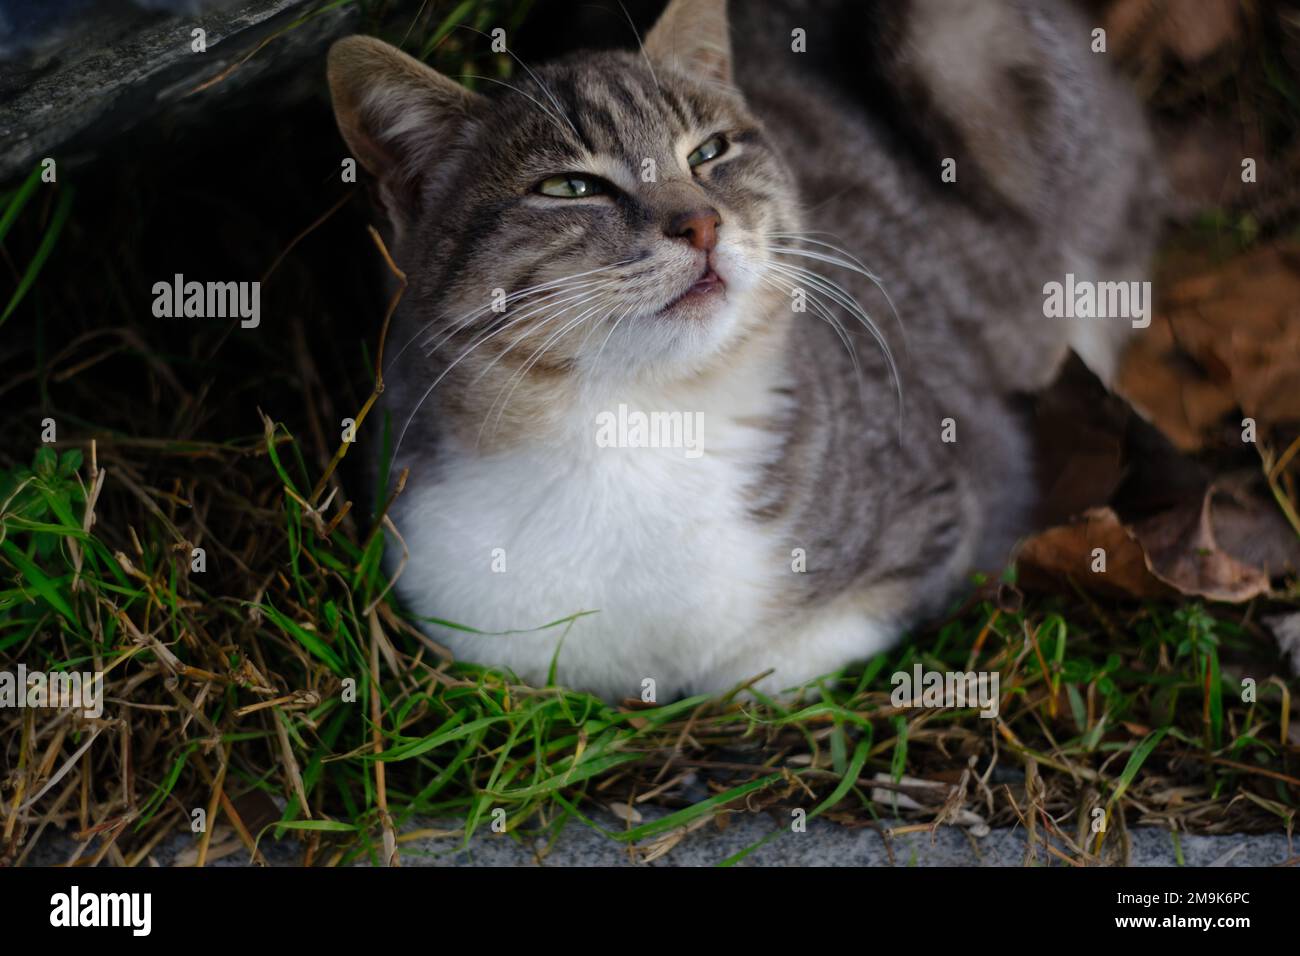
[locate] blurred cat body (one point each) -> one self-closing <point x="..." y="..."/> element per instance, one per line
<point x="861" y="455"/>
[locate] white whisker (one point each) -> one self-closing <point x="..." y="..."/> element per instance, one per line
<point x="518" y="378"/>
<point x="551" y="287"/>
<point x="473" y="346"/>
<point x="540" y="84"/>
<point x="645" y="56"/>
<point x="852" y="263"/>
<point x="854" y="308"/>
<point x="549" y="113"/>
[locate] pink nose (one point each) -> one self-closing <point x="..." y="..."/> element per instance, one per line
<point x="699" y="227"/>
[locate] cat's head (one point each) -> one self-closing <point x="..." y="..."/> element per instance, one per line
<point x="605" y="215"/>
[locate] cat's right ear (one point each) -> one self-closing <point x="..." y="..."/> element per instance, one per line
<point x="397" y="115"/>
<point x="693" y="36"/>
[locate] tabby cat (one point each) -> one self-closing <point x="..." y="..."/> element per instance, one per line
<point x="708" y="361"/>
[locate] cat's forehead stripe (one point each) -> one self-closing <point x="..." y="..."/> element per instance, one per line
<point x="621" y="111"/>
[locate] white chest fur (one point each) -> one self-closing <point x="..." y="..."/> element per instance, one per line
<point x="654" y="542"/>
<point x="653" y="546"/>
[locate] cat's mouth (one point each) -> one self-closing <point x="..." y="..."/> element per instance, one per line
<point x="708" y="286"/>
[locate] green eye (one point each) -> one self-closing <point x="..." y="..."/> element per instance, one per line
<point x="570" y="187"/>
<point x="711" y="148"/>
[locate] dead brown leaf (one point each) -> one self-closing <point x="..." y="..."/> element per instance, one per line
<point x="1182" y="551"/>
<point x="1227" y="338"/>
<point x="1079" y="430"/>
<point x="1175" y="552"/>
<point x="1067" y="551"/>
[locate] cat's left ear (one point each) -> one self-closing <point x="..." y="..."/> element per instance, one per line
<point x="399" y="117"/>
<point x="692" y="37"/>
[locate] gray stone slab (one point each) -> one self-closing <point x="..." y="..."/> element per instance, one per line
<point x="116" y="66"/>
<point x="823" y="844"/>
<point x="828" y="844"/>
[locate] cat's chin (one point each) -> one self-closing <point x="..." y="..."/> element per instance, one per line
<point x="702" y="301"/>
<point x="703" y="294"/>
<point x="692" y="331"/>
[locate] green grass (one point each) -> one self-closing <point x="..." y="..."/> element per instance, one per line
<point x="1116" y="709"/>
<point x="12" y="204"/>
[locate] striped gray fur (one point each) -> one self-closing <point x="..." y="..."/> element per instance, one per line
<point x="842" y="144"/>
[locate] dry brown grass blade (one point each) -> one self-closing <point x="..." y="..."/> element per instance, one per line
<point x="214" y="803"/>
<point x="377" y="737"/>
<point x="379" y="364"/>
